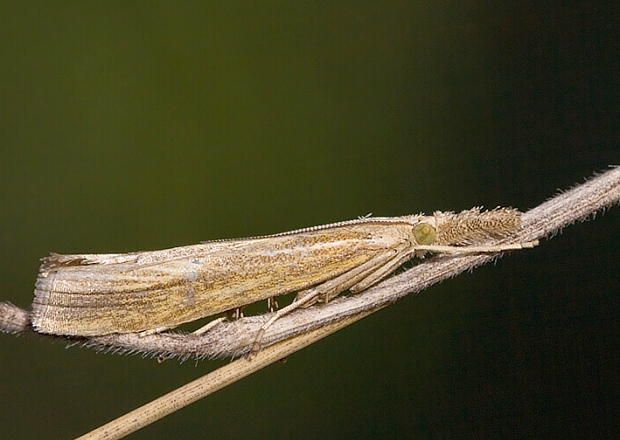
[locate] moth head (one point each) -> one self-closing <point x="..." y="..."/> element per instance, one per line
<point x="424" y="233"/>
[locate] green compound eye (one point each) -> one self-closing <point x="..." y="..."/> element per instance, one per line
<point x="424" y="233"/>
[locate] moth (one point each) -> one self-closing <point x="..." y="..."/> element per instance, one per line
<point x="100" y="294"/>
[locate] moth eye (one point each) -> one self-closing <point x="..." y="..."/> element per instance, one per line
<point x="424" y="233"/>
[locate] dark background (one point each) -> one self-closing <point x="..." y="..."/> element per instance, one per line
<point x="144" y="125"/>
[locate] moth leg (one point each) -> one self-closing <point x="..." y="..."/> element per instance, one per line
<point x="330" y="289"/>
<point x="205" y="328"/>
<point x="236" y="313"/>
<point x="477" y="249"/>
<point x="152" y="331"/>
<point x="311" y="295"/>
<point x="381" y="272"/>
<point x="347" y="279"/>
<point x="391" y="266"/>
<point x="233" y="314"/>
<point x="272" y="303"/>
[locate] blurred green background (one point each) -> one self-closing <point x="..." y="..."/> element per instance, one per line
<point x="144" y="125"/>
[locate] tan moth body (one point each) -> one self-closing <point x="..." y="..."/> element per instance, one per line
<point x="98" y="294"/>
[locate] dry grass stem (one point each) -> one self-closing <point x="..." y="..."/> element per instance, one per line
<point x="305" y="326"/>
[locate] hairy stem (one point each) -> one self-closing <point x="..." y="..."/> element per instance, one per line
<point x="306" y="326"/>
